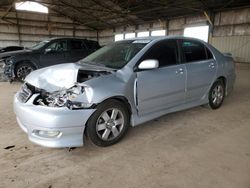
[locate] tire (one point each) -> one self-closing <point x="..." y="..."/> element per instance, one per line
<point x="216" y="94"/>
<point x="22" y="70"/>
<point x="105" y="130"/>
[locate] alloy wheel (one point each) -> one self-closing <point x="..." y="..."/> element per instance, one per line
<point x="23" y="71"/>
<point x="217" y="95"/>
<point x="110" y="124"/>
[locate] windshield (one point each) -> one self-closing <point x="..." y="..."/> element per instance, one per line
<point x="39" y="45"/>
<point x="115" y="55"/>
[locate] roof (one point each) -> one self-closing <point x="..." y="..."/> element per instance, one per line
<point x="69" y="38"/>
<point x="99" y="14"/>
<point x="158" y="38"/>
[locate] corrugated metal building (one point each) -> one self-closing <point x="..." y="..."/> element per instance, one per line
<point x="230" y="31"/>
<point x="27" y="28"/>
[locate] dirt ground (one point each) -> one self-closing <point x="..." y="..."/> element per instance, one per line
<point x="196" y="148"/>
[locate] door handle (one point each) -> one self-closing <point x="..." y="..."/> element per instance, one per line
<point x="179" y="71"/>
<point x="211" y="65"/>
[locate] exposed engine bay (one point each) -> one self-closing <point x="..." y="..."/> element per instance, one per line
<point x="59" y="98"/>
<point x="84" y="75"/>
<point x="75" y="97"/>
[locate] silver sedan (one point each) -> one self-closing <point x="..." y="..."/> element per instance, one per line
<point x="123" y="84"/>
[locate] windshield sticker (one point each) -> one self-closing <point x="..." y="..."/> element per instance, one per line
<point x="142" y="41"/>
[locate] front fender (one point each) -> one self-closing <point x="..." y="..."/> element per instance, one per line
<point x="112" y="86"/>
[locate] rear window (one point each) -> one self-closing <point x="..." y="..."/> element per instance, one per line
<point x="195" y="51"/>
<point x="94" y="45"/>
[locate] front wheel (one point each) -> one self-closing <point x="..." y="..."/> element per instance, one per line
<point x="108" y="124"/>
<point x="22" y="70"/>
<point x="216" y="94"/>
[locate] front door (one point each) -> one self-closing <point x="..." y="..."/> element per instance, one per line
<point x="164" y="87"/>
<point x="55" y="53"/>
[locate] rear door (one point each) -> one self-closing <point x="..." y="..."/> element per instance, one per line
<point x="78" y="50"/>
<point x="164" y="87"/>
<point x="201" y="69"/>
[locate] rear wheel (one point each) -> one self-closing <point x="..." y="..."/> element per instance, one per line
<point x="216" y="94"/>
<point x="108" y="124"/>
<point x="22" y="70"/>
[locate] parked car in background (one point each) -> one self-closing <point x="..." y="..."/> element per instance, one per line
<point x="19" y="64"/>
<point x="10" y="49"/>
<point x="125" y="83"/>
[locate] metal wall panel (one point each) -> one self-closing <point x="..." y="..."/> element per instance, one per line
<point x="26" y="28"/>
<point x="238" y="46"/>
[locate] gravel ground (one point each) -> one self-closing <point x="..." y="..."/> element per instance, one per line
<point x="193" y="148"/>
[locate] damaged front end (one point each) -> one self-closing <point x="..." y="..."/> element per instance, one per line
<point x="53" y="119"/>
<point x="55" y="103"/>
<point x="7" y="68"/>
<point x="76" y="97"/>
<point x="76" y="94"/>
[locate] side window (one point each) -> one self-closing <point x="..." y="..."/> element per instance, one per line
<point x="193" y="51"/>
<point x="209" y="54"/>
<point x="166" y="52"/>
<point x="58" y="46"/>
<point x="77" y="45"/>
<point x="92" y="45"/>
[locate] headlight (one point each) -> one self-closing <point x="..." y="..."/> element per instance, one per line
<point x="71" y="98"/>
<point x="78" y="105"/>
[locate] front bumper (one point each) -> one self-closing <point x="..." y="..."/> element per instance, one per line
<point x="70" y="123"/>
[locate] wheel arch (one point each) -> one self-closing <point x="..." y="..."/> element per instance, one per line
<point x="223" y="79"/>
<point x="14" y="70"/>
<point x="24" y="61"/>
<point x="122" y="99"/>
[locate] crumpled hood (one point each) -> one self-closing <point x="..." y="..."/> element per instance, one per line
<point x="58" y="77"/>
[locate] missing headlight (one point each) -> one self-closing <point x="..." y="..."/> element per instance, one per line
<point x="64" y="98"/>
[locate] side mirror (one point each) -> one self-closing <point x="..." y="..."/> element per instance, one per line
<point x="149" y="64"/>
